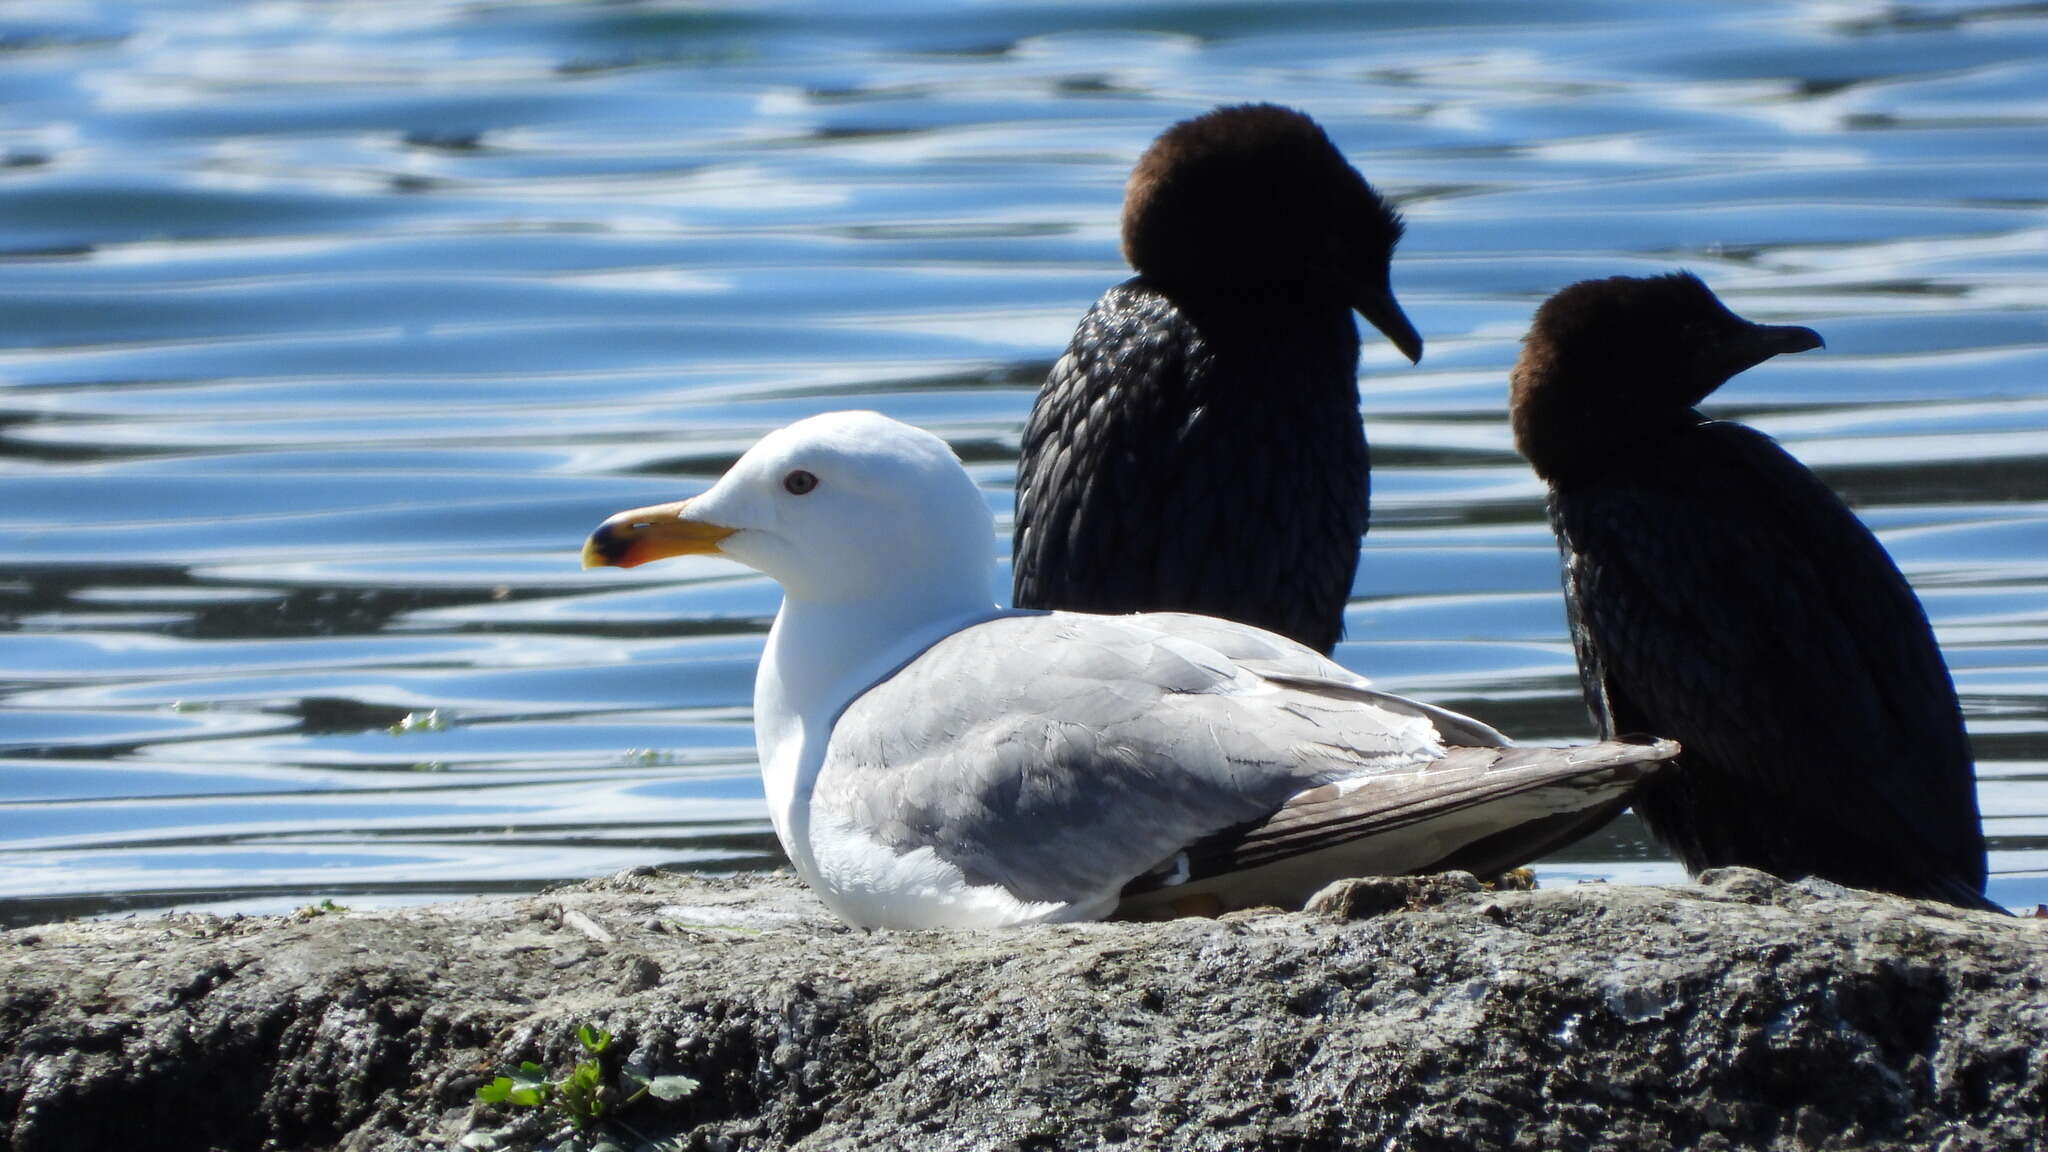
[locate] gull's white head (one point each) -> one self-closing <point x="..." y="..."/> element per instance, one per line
<point x="843" y="506"/>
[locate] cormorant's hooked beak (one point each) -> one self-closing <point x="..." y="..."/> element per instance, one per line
<point x="656" y="532"/>
<point x="1760" y="342"/>
<point x="1376" y="303"/>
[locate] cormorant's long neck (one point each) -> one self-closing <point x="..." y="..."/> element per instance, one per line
<point x="1256" y="311"/>
<point x="1563" y="440"/>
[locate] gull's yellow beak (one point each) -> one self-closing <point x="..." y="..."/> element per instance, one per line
<point x="638" y="535"/>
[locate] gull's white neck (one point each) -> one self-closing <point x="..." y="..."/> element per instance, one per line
<point x="821" y="655"/>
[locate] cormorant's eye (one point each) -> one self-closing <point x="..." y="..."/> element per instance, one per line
<point x="799" y="482"/>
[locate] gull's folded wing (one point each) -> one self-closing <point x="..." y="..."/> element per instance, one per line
<point x="1060" y="757"/>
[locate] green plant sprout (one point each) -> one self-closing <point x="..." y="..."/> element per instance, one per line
<point x="579" y="1096"/>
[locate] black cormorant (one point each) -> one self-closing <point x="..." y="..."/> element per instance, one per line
<point x="1199" y="448"/>
<point x="1721" y="595"/>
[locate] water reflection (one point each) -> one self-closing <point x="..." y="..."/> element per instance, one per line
<point x="330" y="329"/>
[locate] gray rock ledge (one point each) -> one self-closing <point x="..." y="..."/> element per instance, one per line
<point x="1741" y="1013"/>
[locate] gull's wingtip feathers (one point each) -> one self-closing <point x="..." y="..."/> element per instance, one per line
<point x="1478" y="809"/>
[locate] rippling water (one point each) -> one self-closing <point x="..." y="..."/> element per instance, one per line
<point x="327" y="330"/>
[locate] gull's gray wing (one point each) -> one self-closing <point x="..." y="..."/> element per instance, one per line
<point x="1283" y="661"/>
<point x="1266" y="652"/>
<point x="1061" y="755"/>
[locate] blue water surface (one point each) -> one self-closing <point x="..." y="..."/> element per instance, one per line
<point x="328" y="329"/>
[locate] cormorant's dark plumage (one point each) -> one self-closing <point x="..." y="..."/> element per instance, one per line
<point x="1721" y="595"/>
<point x="1199" y="448"/>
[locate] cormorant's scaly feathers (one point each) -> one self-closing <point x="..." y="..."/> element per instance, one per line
<point x="1199" y="447"/>
<point x="1155" y="478"/>
<point x="1721" y="595"/>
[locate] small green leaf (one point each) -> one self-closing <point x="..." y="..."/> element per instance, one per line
<point x="671" y="1087"/>
<point x="579" y="1100"/>
<point x="521" y="1090"/>
<point x="594" y="1040"/>
<point x="528" y="1087"/>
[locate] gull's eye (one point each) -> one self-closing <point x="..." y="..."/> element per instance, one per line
<point x="799" y="482"/>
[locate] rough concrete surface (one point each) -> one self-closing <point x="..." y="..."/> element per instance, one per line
<point x="1741" y="1013"/>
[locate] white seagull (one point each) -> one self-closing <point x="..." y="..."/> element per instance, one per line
<point x="932" y="760"/>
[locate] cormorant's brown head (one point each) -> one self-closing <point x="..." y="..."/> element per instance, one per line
<point x="1614" y="361"/>
<point x="1254" y="198"/>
